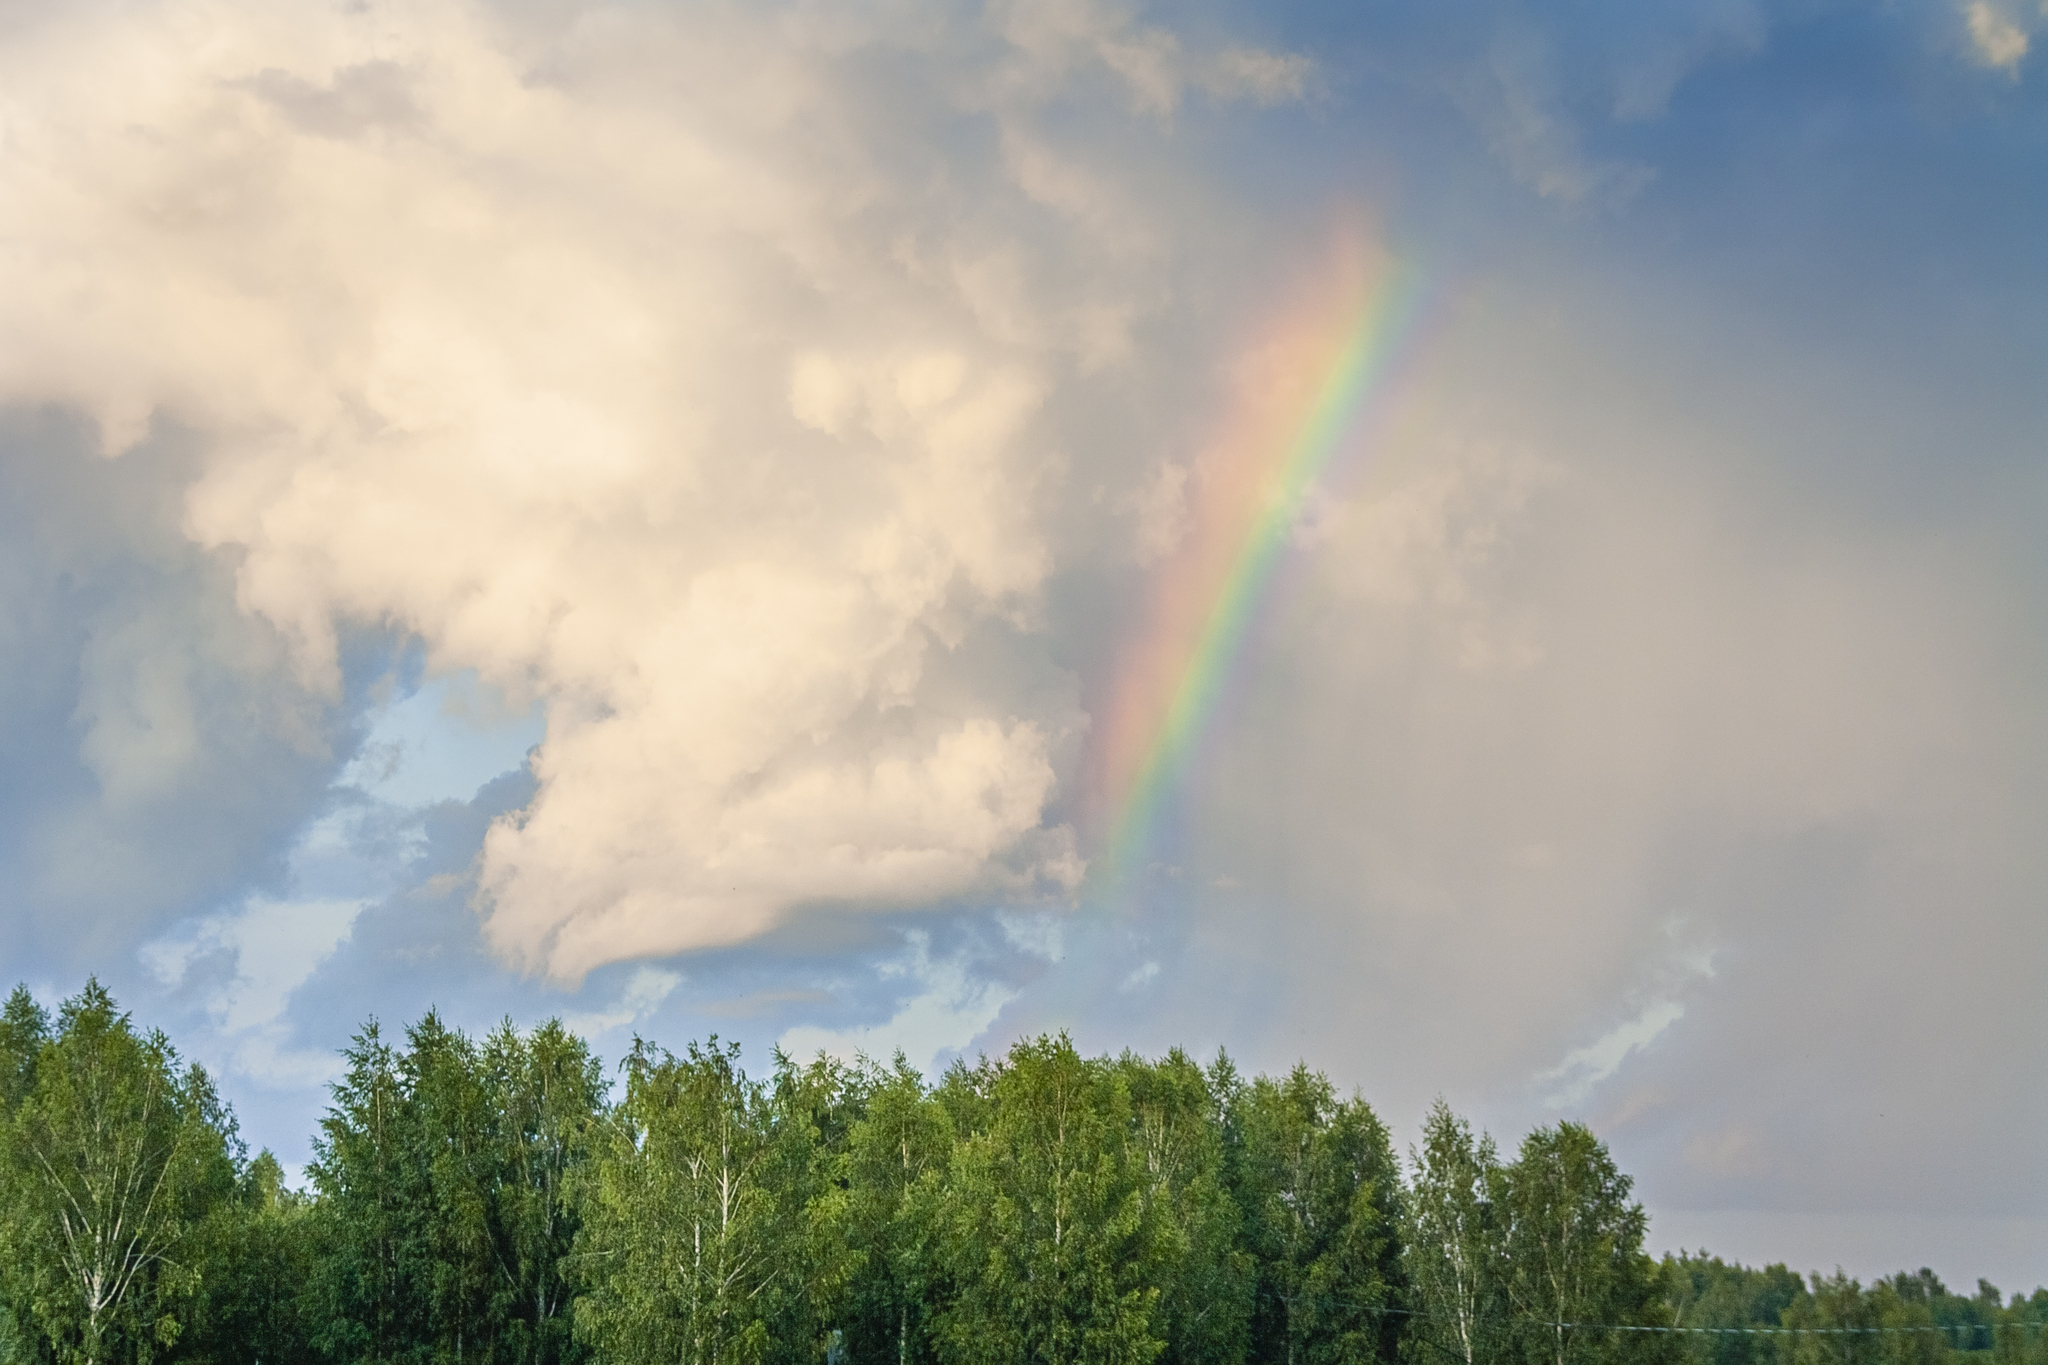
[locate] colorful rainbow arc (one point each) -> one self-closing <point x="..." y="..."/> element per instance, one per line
<point x="1259" y="487"/>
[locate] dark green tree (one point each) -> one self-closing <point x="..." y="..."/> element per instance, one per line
<point x="1705" y="1291"/>
<point x="898" y="1151"/>
<point x="448" y="1134"/>
<point x="259" y="1263"/>
<point x="1208" y="1278"/>
<point x="24" y="1028"/>
<point x="374" y="1199"/>
<point x="1320" y="1190"/>
<point x="448" y="1173"/>
<point x="546" y="1096"/>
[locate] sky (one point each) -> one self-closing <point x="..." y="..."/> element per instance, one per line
<point x="1491" y="549"/>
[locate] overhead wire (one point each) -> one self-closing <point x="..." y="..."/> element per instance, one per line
<point x="1987" y="1329"/>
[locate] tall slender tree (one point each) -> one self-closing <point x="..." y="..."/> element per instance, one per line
<point x="1320" y="1188"/>
<point x="374" y="1199"/>
<point x="1451" y="1238"/>
<point x="114" y="1158"/>
<point x="449" y="1135"/>
<point x="810" y="1116"/>
<point x="898" y="1151"/>
<point x="1052" y="1252"/>
<point x="24" y="1028"/>
<point x="679" y="1239"/>
<point x="1573" y="1244"/>
<point x="1208" y="1278"/>
<point x="547" y="1094"/>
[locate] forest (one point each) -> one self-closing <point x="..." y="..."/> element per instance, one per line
<point x="505" y="1200"/>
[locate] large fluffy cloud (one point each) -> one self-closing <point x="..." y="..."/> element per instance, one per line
<point x="687" y="372"/>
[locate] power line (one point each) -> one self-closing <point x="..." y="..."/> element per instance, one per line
<point x="2024" y="1325"/>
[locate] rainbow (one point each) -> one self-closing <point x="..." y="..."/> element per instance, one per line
<point x="1305" y="397"/>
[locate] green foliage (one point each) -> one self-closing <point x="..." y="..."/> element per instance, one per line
<point x="1320" y="1190"/>
<point x="1205" y="1303"/>
<point x="24" y="1028"/>
<point x="482" y="1202"/>
<point x="545" y="1093"/>
<point x="1573" y="1251"/>
<point x="1053" y="1253"/>
<point x="116" y="1159"/>
<point x="2021" y="1336"/>
<point x="898" y="1150"/>
<point x="1705" y="1291"/>
<point x="449" y="1198"/>
<point x="372" y="1208"/>
<point x="714" y="1230"/>
<point x="1451" y="1245"/>
<point x="1819" y="1318"/>
<point x="811" y="1118"/>
<point x="259" y="1257"/>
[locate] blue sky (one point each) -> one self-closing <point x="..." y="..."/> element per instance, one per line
<point x="633" y="511"/>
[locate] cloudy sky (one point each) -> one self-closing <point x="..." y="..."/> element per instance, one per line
<point x="700" y="517"/>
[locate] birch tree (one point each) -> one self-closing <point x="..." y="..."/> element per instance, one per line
<point x="1575" y="1264"/>
<point x="898" y="1151"/>
<point x="1176" y="1138"/>
<point x="115" y="1156"/>
<point x="1451" y="1233"/>
<point x="1052" y="1253"/>
<point x="805" y="1178"/>
<point x="678" y="1243"/>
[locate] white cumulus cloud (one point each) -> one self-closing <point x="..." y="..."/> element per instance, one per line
<point x="636" y="361"/>
<point x="1997" y="37"/>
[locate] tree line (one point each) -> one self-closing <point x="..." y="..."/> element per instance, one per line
<point x="502" y="1201"/>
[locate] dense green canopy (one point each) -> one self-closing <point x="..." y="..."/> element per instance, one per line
<point x="494" y="1201"/>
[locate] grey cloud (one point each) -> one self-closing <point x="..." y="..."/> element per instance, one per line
<point x="156" y="747"/>
<point x="1578" y="718"/>
<point x="359" y="98"/>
